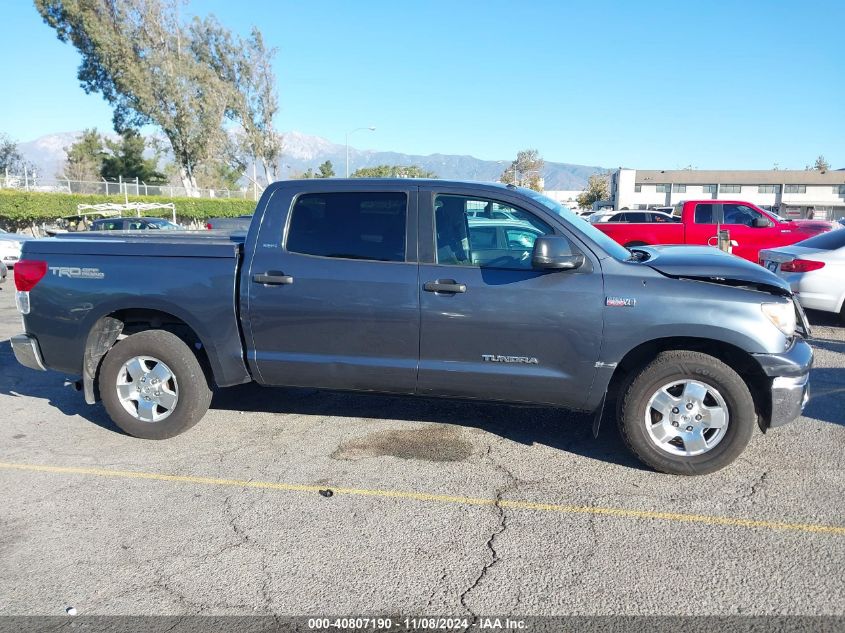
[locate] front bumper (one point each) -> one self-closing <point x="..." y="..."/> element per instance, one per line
<point x="789" y="395"/>
<point x="27" y="351"/>
<point x="790" y="388"/>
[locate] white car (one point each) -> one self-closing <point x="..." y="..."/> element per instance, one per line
<point x="10" y="247"/>
<point x="814" y="268"/>
<point x="633" y="216"/>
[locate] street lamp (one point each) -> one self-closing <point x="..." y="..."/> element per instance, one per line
<point x="371" y="129"/>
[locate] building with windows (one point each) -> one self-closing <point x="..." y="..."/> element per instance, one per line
<point x="790" y="193"/>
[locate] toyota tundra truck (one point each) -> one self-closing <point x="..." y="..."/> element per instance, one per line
<point x="427" y="288"/>
<point x="749" y="228"/>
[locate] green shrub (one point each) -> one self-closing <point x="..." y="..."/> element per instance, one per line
<point x="19" y="209"/>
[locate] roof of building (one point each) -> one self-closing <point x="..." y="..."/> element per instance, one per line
<point x="740" y="177"/>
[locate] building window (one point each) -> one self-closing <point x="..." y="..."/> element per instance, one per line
<point x="708" y="188"/>
<point x="730" y="188"/>
<point x="795" y="188"/>
<point x="662" y="188"/>
<point x="679" y="188"/>
<point x="767" y="189"/>
<point x="638" y="188"/>
<point x="839" y="190"/>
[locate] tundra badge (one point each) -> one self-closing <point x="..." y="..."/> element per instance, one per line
<point x="495" y="358"/>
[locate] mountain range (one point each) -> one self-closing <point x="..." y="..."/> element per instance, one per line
<point x="301" y="151"/>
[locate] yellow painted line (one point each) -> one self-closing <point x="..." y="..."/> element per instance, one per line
<point x="423" y="496"/>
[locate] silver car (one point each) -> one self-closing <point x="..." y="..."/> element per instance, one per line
<point x="814" y="268"/>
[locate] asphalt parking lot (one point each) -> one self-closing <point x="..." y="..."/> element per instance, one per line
<point x="438" y="507"/>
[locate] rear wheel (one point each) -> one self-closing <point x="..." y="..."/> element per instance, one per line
<point x="153" y="386"/>
<point x="687" y="413"/>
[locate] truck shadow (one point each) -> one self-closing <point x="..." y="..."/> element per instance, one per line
<point x="827" y="395"/>
<point x="560" y="429"/>
<point x="564" y="430"/>
<point x="20" y="382"/>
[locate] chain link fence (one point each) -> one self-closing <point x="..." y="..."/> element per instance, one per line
<point x="121" y="187"/>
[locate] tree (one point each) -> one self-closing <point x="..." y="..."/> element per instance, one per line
<point x="140" y="58"/>
<point x="218" y="174"/>
<point x="84" y="158"/>
<point x="525" y="170"/>
<point x="597" y="189"/>
<point x="393" y="171"/>
<point x="127" y="160"/>
<point x="11" y="160"/>
<point x="821" y="164"/>
<point x="246" y="67"/>
<point x="326" y="170"/>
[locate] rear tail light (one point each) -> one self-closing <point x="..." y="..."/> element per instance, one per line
<point x="28" y="272"/>
<point x="801" y="266"/>
<point x="208" y="226"/>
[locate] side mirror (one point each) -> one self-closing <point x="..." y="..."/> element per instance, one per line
<point x="553" y="252"/>
<point x="760" y="223"/>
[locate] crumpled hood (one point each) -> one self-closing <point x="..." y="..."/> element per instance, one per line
<point x="706" y="263"/>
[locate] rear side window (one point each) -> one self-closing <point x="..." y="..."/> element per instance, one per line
<point x="826" y="241"/>
<point x="350" y="226"/>
<point x="705" y="214"/>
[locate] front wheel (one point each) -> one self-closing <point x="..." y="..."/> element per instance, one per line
<point x="153" y="386"/>
<point x="687" y="413"/>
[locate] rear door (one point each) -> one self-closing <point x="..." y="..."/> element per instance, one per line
<point x="333" y="297"/>
<point x="492" y="327"/>
<point x="701" y="224"/>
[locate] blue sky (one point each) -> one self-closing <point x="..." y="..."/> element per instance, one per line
<point x="651" y="84"/>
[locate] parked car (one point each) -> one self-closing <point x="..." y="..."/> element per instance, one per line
<point x="750" y="227"/>
<point x="814" y="269"/>
<point x="634" y="216"/>
<point x="388" y="286"/>
<point x="240" y="223"/>
<point x="133" y="224"/>
<point x="10" y="247"/>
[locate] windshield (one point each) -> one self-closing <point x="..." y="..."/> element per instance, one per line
<point x="610" y="246"/>
<point x="162" y="224"/>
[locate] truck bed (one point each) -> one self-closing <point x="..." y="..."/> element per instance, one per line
<point x="178" y="276"/>
<point x="639" y="233"/>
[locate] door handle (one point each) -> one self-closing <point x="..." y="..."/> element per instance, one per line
<point x="273" y="278"/>
<point x="446" y="286"/>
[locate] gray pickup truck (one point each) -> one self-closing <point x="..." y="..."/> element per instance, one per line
<point x="424" y="287"/>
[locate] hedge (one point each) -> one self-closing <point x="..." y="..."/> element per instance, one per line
<point x="20" y="209"/>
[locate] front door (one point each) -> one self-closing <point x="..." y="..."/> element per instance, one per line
<point x="335" y="305"/>
<point x="493" y="327"/>
<point x="751" y="230"/>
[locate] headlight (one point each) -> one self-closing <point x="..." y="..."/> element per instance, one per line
<point x="782" y="316"/>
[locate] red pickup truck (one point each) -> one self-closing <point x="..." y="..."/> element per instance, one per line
<point x="750" y="227"/>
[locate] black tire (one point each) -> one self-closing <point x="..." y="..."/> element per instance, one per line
<point x="681" y="365"/>
<point x="194" y="393"/>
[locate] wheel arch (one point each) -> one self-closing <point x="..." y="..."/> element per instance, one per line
<point x="107" y="329"/>
<point x="741" y="361"/>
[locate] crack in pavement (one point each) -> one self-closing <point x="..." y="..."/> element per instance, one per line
<point x="512" y="482"/>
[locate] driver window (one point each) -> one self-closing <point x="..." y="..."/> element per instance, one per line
<point x="740" y="214"/>
<point x="485" y="233"/>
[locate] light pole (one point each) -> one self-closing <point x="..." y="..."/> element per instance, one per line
<point x="370" y="128"/>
